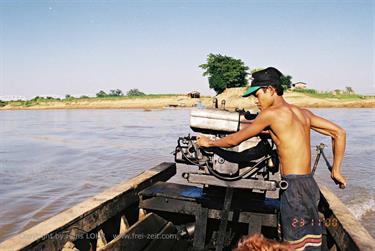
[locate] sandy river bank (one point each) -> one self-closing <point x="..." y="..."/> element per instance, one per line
<point x="232" y="99"/>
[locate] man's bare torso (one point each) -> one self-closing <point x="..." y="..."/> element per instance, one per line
<point x="290" y="130"/>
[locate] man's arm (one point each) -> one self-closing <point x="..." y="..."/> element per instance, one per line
<point x="262" y="121"/>
<point x="338" y="136"/>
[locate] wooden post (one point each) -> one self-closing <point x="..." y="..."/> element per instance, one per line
<point x="124" y="224"/>
<point x="142" y="214"/>
<point x="102" y="241"/>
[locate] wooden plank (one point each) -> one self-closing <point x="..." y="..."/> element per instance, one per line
<point x="138" y="235"/>
<point x="142" y="213"/>
<point x="101" y="242"/>
<point x="224" y="219"/>
<point x="255" y="224"/>
<point x="124" y="224"/>
<point x="190" y="208"/>
<point x="53" y="233"/>
<point x="200" y="228"/>
<point x="347" y="232"/>
<point x="169" y="205"/>
<point x="189" y="193"/>
<point x="165" y="239"/>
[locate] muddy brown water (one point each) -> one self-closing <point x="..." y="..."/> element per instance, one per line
<point x="51" y="160"/>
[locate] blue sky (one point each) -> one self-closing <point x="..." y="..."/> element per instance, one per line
<point x="81" y="47"/>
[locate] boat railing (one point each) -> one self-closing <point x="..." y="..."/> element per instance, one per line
<point x="88" y="217"/>
<point x="345" y="229"/>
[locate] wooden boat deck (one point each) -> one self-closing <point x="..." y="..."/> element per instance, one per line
<point x="101" y="222"/>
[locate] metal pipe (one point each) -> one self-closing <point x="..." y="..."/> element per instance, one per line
<point x="319" y="151"/>
<point x="222" y="107"/>
<point x="283" y="184"/>
<point x="215" y="103"/>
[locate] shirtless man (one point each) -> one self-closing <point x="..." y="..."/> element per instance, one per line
<point x="289" y="127"/>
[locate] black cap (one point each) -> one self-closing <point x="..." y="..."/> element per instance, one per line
<point x="266" y="77"/>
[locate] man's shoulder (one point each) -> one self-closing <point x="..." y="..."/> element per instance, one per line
<point x="276" y="114"/>
<point x="284" y="113"/>
<point x="271" y="112"/>
<point x="297" y="109"/>
<point x="281" y="109"/>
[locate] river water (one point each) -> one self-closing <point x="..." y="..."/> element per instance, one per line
<point x="52" y="159"/>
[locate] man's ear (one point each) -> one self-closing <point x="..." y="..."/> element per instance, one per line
<point x="272" y="90"/>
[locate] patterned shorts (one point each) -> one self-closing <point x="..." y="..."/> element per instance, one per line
<point x="300" y="221"/>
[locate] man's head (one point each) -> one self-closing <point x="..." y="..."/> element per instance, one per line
<point x="265" y="78"/>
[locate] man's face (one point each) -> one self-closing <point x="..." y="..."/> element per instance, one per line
<point x="263" y="98"/>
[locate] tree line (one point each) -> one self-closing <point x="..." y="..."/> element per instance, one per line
<point x="119" y="93"/>
<point x="227" y="72"/>
<point x="112" y="93"/>
<point x="100" y="94"/>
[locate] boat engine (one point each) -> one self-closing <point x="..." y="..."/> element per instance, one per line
<point x="252" y="165"/>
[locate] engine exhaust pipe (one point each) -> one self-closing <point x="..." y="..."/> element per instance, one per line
<point x="283" y="184"/>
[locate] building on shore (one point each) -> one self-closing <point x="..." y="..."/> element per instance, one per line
<point x="298" y="85"/>
<point x="194" y="94"/>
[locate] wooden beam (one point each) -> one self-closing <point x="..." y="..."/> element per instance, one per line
<point x="255" y="225"/>
<point x="102" y="241"/>
<point x="165" y="239"/>
<point x="346" y="230"/>
<point x="201" y="217"/>
<point x="190" y="208"/>
<point x="142" y="213"/>
<point x="138" y="236"/>
<point x="124" y="224"/>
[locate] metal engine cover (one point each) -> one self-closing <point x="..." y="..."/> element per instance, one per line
<point x="214" y="120"/>
<point x="224" y="167"/>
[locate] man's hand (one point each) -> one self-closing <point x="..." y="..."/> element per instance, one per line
<point x="203" y="141"/>
<point x="339" y="179"/>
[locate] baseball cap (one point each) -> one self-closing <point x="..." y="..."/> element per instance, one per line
<point x="263" y="78"/>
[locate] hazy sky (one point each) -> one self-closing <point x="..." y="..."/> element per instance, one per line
<point x="81" y="47"/>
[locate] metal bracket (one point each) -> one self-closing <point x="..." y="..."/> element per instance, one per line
<point x="267" y="185"/>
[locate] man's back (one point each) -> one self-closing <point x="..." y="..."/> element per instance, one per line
<point x="290" y="130"/>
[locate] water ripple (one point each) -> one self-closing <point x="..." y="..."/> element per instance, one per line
<point x="51" y="160"/>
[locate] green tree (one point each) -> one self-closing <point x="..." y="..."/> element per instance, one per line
<point x="116" y="93"/>
<point x="101" y="94"/>
<point x="3" y="103"/>
<point x="36" y="98"/>
<point x="349" y="89"/>
<point x="224" y="72"/>
<point x="286" y="81"/>
<point x="135" y="92"/>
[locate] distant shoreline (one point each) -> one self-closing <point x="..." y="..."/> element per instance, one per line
<point x="232" y="99"/>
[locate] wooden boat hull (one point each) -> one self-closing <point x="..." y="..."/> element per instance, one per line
<point x="139" y="215"/>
